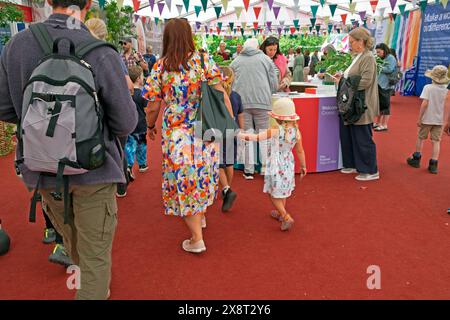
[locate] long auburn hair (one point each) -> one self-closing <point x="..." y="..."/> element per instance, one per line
<point x="178" y="44"/>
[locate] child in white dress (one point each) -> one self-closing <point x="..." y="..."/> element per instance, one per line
<point x="279" y="181"/>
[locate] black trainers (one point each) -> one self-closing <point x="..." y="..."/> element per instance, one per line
<point x="143" y="168"/>
<point x="248" y="176"/>
<point x="60" y="256"/>
<point x="413" y="161"/>
<point x="228" y="199"/>
<point x="121" y="190"/>
<point x="432" y="166"/>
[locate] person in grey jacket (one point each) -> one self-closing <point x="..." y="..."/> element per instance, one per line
<point x="89" y="235"/>
<point x="256" y="81"/>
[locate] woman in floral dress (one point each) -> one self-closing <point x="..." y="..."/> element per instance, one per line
<point x="190" y="168"/>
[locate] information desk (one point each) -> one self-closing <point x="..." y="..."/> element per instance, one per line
<point x="319" y="125"/>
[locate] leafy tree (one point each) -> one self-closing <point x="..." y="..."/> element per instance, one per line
<point x="118" y="22"/>
<point x="9" y="13"/>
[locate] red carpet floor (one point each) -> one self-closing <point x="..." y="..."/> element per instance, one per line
<point x="398" y="223"/>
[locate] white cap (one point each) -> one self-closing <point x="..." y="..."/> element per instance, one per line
<point x="251" y="43"/>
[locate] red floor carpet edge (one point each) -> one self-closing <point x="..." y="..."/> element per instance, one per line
<point x="342" y="227"/>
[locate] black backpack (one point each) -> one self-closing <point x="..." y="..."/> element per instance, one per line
<point x="395" y="76"/>
<point x="350" y="100"/>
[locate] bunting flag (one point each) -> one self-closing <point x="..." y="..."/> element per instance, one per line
<point x="204" y="5"/>
<point x="242" y="31"/>
<point x="322" y="2"/>
<point x="402" y="7"/>
<point x="313" y="21"/>
<point x="326" y="19"/>
<point x="120" y="4"/>
<point x="382" y="12"/>
<point x="234" y="30"/>
<point x="374" y="4"/>
<point x="225" y="5"/>
<point x="318" y="28"/>
<point x="254" y="32"/>
<point x="101" y="3"/>
<point x="218" y="10"/>
<point x="136" y="18"/>
<point x="344" y="18"/>
<point x="292" y="30"/>
<point x="238" y="11"/>
<point x="186" y="5"/>
<point x="246" y="4"/>
<point x="332" y="9"/>
<point x="136" y="5"/>
<point x="365" y="23"/>
<point x="244" y="24"/>
<point x="179" y="8"/>
<point x="143" y="19"/>
<point x="352" y="7"/>
<point x="198" y="24"/>
<point x="206" y="29"/>
<point x="156" y="20"/>
<point x="219" y="25"/>
<point x="444" y="3"/>
<point x="310" y="29"/>
<point x="257" y="11"/>
<point x="255" y="25"/>
<point x="296" y="21"/>
<point x="330" y="27"/>
<point x="197" y="10"/>
<point x="276" y="11"/>
<point x="218" y="30"/>
<point x="338" y="30"/>
<point x="314" y="10"/>
<point x="270" y="4"/>
<point x="423" y="5"/>
<point x="279" y="31"/>
<point x="362" y="15"/>
<point x="269" y="24"/>
<point x="393" y="3"/>
<point x="161" y="7"/>
<point x="281" y="23"/>
<point x="169" y="4"/>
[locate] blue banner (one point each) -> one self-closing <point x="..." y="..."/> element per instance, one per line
<point x="434" y="43"/>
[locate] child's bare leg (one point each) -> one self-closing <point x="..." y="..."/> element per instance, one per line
<point x="279" y="205"/>
<point x="419" y="145"/>
<point x="229" y="173"/>
<point x="223" y="180"/>
<point x="436" y="150"/>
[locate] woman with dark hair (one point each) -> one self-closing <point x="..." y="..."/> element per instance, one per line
<point x="384" y="87"/>
<point x="190" y="167"/>
<point x="299" y="64"/>
<point x="271" y="47"/>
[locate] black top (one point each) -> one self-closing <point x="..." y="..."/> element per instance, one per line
<point x="140" y="103"/>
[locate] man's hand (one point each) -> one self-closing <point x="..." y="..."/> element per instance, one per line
<point x="447" y="128"/>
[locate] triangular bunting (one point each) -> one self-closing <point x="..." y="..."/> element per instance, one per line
<point x="374" y="4"/>
<point x="322" y="2"/>
<point x="332" y="9"/>
<point x="270" y="4"/>
<point x="314" y="10"/>
<point x="281" y="23"/>
<point x="198" y="24"/>
<point x="219" y="25"/>
<point x="246" y="4"/>
<point x="269" y="24"/>
<point x="218" y="30"/>
<point x="204" y="5"/>
<point x="238" y="11"/>
<point x="330" y="27"/>
<point x="255" y="25"/>
<point x="143" y="19"/>
<point x="393" y="3"/>
<point x="257" y="11"/>
<point x="156" y="20"/>
<point x="326" y="19"/>
<point x="120" y="4"/>
<point x="169" y="4"/>
<point x="218" y="10"/>
<point x="352" y="7"/>
<point x="423" y="5"/>
<point x="179" y="8"/>
<point x="197" y="10"/>
<point x="310" y="29"/>
<point x="276" y="11"/>
<point x="161" y="7"/>
<point x="394" y="16"/>
<point x="136" y="18"/>
<point x="244" y="25"/>
<point x="101" y="3"/>
<point x="225" y="5"/>
<point x="279" y="31"/>
<point x="402" y="7"/>
<point x="296" y="21"/>
<point x="186" y="5"/>
<point x="242" y="31"/>
<point x="444" y="3"/>
<point x="136" y="5"/>
<point x="338" y="30"/>
<point x="231" y="24"/>
<point x="318" y="28"/>
<point x="292" y="30"/>
<point x="313" y="21"/>
<point x="344" y="18"/>
<point x="362" y="15"/>
<point x="296" y="3"/>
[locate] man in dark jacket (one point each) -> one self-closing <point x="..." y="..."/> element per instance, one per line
<point x="89" y="235"/>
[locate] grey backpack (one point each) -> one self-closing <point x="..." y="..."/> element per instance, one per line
<point x="61" y="127"/>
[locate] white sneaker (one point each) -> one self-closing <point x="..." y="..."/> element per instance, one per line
<point x="348" y="170"/>
<point x="368" y="176"/>
<point x="197" y="247"/>
<point x="248" y="176"/>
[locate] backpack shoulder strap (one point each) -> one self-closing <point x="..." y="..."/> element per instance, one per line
<point x="89" y="45"/>
<point x="42" y="35"/>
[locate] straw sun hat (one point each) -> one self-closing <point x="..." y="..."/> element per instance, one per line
<point x="438" y="74"/>
<point x="284" y="109"/>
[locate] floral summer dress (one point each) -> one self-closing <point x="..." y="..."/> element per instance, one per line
<point x="279" y="180"/>
<point x="190" y="169"/>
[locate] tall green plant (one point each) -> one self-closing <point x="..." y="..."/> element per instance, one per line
<point x="118" y="22"/>
<point x="9" y="13"/>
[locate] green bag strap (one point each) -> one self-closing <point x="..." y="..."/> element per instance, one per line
<point x="89" y="45"/>
<point x="42" y="36"/>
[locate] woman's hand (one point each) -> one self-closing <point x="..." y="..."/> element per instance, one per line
<point x="152" y="133"/>
<point x="337" y="77"/>
<point x="303" y="172"/>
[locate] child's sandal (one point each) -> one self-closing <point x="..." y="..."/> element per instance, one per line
<point x="274" y="214"/>
<point x="286" y="222"/>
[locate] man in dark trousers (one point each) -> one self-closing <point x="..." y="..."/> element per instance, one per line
<point x="88" y="236"/>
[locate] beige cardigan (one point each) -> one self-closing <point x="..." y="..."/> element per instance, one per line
<point x="366" y="67"/>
